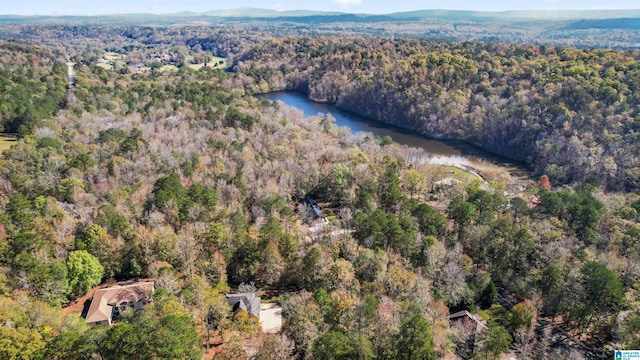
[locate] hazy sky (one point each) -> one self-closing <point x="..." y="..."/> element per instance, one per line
<point x="93" y="7"/>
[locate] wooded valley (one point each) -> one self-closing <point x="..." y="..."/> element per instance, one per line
<point x="192" y="179"/>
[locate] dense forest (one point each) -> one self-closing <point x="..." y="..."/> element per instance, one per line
<point x="583" y="29"/>
<point x="568" y="113"/>
<point x="185" y="177"/>
<point x="30" y="94"/>
<point x="571" y="114"/>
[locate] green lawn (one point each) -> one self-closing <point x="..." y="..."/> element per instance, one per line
<point x="110" y="56"/>
<point x="195" y="66"/>
<point x="216" y="63"/>
<point x="460" y="174"/>
<point x="105" y="66"/>
<point x="6" y="142"/>
<point x="167" y="68"/>
<point x="219" y="63"/>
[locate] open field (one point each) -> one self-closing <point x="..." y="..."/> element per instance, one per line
<point x="111" y="56"/>
<point x="168" y="68"/>
<point x="144" y="69"/>
<point x="195" y="66"/>
<point x="216" y="63"/>
<point x="105" y="66"/>
<point x="219" y="62"/>
<point x="6" y="142"/>
<point x="112" y="61"/>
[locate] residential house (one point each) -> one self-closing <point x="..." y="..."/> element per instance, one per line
<point x="314" y="212"/>
<point x="139" y="69"/>
<point x="469" y="326"/>
<point x="478" y="324"/>
<point x="249" y="302"/>
<point x="114" y="300"/>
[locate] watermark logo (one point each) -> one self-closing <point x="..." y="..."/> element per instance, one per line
<point x="627" y="355"/>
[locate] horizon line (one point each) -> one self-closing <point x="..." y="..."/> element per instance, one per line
<point x="204" y="13"/>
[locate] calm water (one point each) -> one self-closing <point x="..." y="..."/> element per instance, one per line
<point x="440" y="152"/>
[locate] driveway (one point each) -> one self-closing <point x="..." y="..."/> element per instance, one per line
<point x="271" y="318"/>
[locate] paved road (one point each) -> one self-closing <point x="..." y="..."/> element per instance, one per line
<point x="71" y="74"/>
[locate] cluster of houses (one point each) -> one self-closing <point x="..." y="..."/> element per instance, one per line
<point x="108" y="303"/>
<point x="165" y="57"/>
<point x="139" y="69"/>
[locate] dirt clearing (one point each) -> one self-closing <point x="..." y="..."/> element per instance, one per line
<point x="271" y="318"/>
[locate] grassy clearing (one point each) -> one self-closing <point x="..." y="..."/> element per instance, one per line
<point x="219" y="63"/>
<point x="168" y="68"/>
<point x="216" y="63"/>
<point x="105" y="66"/>
<point x="110" y="56"/>
<point x="195" y="66"/>
<point x="6" y="142"/>
<point x="113" y="61"/>
<point x="459" y="174"/>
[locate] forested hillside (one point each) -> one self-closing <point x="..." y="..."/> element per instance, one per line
<point x="186" y="178"/>
<point x="571" y="114"/>
<point x="31" y="93"/>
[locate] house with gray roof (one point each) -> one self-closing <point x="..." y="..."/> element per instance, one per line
<point x="249" y="302"/>
<point x="314" y="212"/>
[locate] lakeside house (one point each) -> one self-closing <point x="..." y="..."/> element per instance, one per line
<point x="108" y="302"/>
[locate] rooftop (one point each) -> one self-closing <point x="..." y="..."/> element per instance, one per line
<point x="314" y="209"/>
<point x="248" y="302"/>
<point x="480" y="324"/>
<point x="104" y="299"/>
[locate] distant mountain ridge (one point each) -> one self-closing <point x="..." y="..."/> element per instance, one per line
<point x="606" y="24"/>
<point x="516" y="14"/>
<point x="429" y="14"/>
<point x="269" y="14"/>
<point x="569" y="20"/>
<point x="265" y="13"/>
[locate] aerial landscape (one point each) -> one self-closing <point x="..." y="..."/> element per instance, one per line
<point x="352" y="179"/>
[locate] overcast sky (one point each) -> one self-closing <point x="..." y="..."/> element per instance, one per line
<point x="89" y="7"/>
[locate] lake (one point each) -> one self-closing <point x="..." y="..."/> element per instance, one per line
<point x="452" y="153"/>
